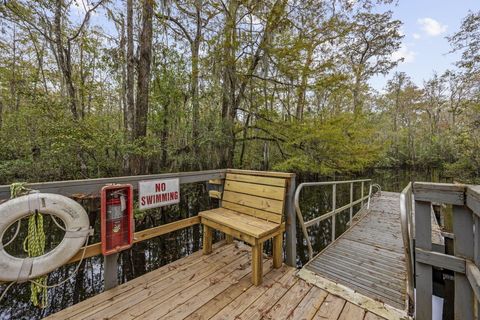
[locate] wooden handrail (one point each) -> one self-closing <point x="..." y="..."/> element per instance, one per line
<point x="96" y="248"/>
<point x="465" y="262"/>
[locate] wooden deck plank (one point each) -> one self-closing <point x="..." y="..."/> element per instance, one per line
<point x="178" y="292"/>
<point x="308" y="307"/>
<point x="222" y="299"/>
<point x="372" y="316"/>
<point x="330" y="308"/>
<point x="285" y="306"/>
<point x="352" y="312"/>
<point x="124" y="290"/>
<point x="242" y="302"/>
<point x="161" y="290"/>
<point x="174" y="308"/>
<point x="260" y="307"/>
<point x="216" y="286"/>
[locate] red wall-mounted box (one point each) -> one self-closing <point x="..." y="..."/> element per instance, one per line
<point x="117" y="225"/>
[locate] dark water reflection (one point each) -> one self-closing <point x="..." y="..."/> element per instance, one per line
<point x="152" y="254"/>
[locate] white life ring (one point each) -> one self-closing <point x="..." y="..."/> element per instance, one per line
<point x="77" y="228"/>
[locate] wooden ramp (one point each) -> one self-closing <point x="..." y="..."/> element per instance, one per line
<point x="216" y="286"/>
<point x="366" y="265"/>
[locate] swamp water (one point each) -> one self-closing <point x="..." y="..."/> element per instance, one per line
<point x="152" y="254"/>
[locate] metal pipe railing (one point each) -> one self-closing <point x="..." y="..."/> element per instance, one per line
<point x="407" y="236"/>
<point x="333" y="213"/>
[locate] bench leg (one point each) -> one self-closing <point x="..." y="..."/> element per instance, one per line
<point x="278" y="250"/>
<point x="228" y="238"/>
<point x="257" y="264"/>
<point x="207" y="239"/>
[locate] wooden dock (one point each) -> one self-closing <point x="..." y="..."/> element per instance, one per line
<point x="366" y="264"/>
<point x="216" y="286"/>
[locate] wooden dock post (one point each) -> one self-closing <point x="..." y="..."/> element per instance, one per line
<point x="291" y="228"/>
<point x="463" y="246"/>
<point x="110" y="267"/>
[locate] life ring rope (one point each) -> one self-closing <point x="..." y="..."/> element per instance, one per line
<point x="30" y="269"/>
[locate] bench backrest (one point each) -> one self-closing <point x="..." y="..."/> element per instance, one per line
<point x="257" y="195"/>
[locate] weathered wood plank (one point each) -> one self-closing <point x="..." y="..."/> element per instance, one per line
<point x="161" y="288"/>
<point x="247" y="298"/>
<point x="263" y="304"/>
<point x="423" y="231"/>
<point x="473" y="199"/>
<point x="440" y="260"/>
<point x="192" y="262"/>
<point x="184" y="303"/>
<point x="330" y="308"/>
<point x="211" y="307"/>
<point x="308" y="307"/>
<point x="143" y="301"/>
<point x="289" y="301"/>
<point x="473" y="276"/>
<point x="463" y="246"/>
<point x="350" y="294"/>
<point x="439" y="192"/>
<point x="352" y="312"/>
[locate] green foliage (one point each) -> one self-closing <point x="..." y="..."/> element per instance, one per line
<point x="342" y="144"/>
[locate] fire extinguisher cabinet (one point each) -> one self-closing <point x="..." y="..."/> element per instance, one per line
<point x="116" y="218"/>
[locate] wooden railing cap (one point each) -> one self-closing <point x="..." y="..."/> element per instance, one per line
<point x="263" y="173"/>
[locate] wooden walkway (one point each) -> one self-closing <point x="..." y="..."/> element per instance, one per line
<point x="216" y="286"/>
<point x="366" y="264"/>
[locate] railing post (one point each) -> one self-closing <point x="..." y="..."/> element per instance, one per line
<point x="476" y="252"/>
<point x="110" y="276"/>
<point x="362" y="189"/>
<point x="463" y="246"/>
<point x="423" y="240"/>
<point x="334" y="205"/>
<point x="351" y="201"/>
<point x="291" y="229"/>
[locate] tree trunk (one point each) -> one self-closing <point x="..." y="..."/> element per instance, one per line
<point x="64" y="59"/>
<point x="194" y="83"/>
<point x="232" y="100"/>
<point x="143" y="84"/>
<point x="129" y="87"/>
<point x="229" y="84"/>
<point x="303" y="83"/>
<point x="357" y="103"/>
<point x="130" y="109"/>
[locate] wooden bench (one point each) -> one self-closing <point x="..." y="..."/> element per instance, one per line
<point x="251" y="210"/>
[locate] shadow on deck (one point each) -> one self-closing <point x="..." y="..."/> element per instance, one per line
<point x="216" y="286"/>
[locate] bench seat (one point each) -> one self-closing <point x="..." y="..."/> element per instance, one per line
<point x="252" y="210"/>
<point x="243" y="223"/>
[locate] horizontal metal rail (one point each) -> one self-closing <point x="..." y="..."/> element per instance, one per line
<point x="93" y="186"/>
<point x="333" y="213"/>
